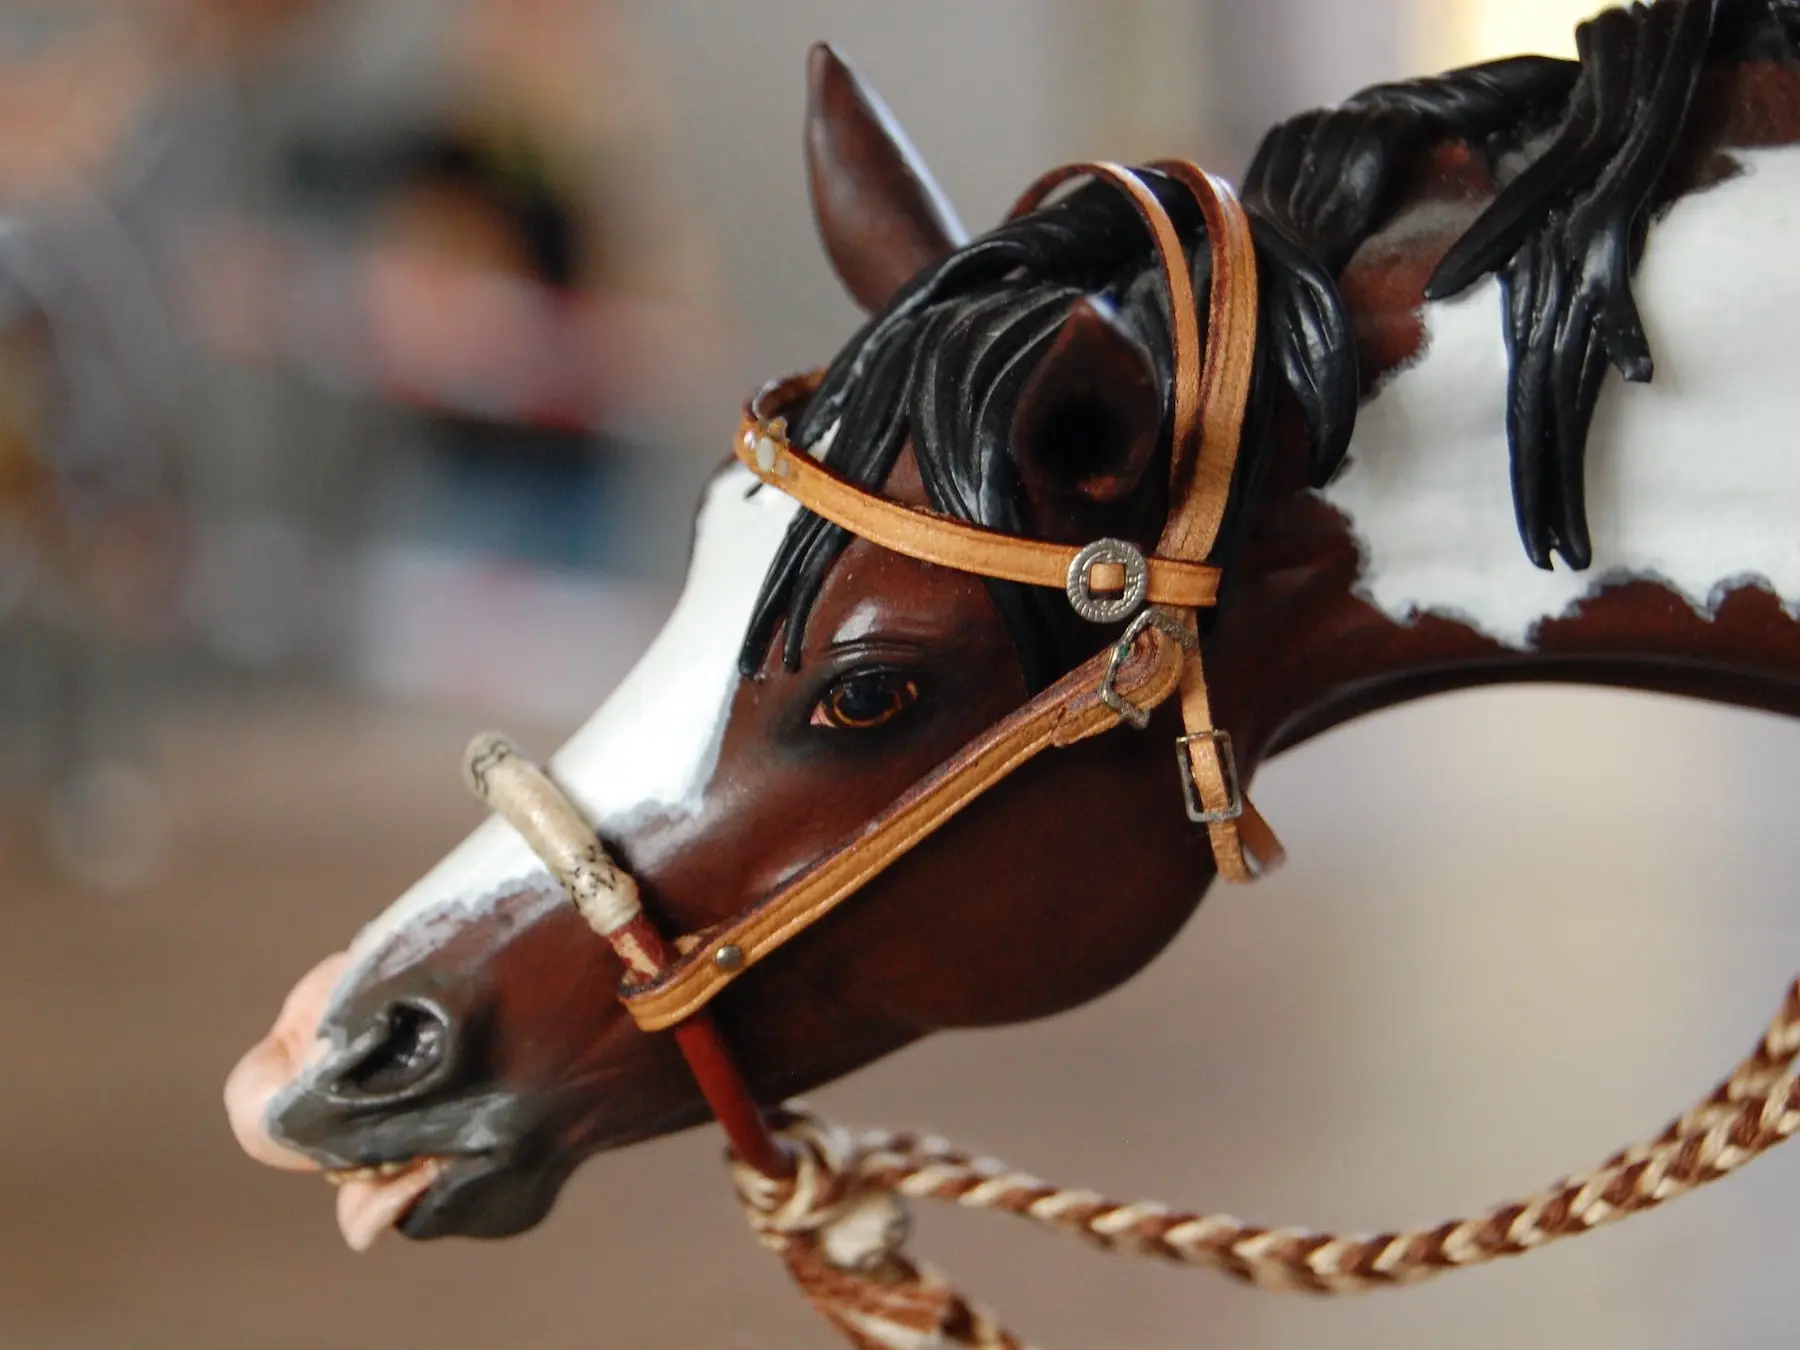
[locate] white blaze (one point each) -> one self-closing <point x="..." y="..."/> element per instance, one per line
<point x="1693" y="479"/>
<point x="650" y="749"/>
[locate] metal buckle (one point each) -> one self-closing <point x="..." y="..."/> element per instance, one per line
<point x="1234" y="792"/>
<point x="1107" y="609"/>
<point x="1121" y="652"/>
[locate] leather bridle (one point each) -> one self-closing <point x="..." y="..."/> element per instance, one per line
<point x="1107" y="581"/>
<point x="1158" y="655"/>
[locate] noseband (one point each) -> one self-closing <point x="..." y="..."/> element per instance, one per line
<point x="1108" y="581"/>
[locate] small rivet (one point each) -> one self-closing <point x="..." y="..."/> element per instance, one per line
<point x="765" y="455"/>
<point x="729" y="957"/>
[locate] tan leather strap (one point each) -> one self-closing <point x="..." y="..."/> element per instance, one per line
<point x="1184" y="322"/>
<point x="1068" y="711"/>
<point x="1244" y="847"/>
<point x="924" y="535"/>
<point x="1200" y="474"/>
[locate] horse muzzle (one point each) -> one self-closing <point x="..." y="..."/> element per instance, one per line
<point x="388" y="1109"/>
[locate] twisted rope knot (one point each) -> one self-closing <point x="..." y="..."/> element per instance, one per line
<point x="841" y="1233"/>
<point x="826" y="1203"/>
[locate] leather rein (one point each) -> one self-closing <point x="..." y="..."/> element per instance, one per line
<point x="669" y="985"/>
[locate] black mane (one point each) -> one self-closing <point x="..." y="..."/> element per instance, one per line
<point x="945" y="362"/>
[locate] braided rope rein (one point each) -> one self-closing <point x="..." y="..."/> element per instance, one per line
<point x="840" y="1224"/>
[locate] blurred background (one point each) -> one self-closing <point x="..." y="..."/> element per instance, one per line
<point x="359" y="365"/>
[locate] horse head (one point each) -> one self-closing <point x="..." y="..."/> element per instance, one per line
<point x="469" y="1050"/>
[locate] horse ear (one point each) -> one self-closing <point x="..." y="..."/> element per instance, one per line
<point x="881" y="217"/>
<point x="1089" y="418"/>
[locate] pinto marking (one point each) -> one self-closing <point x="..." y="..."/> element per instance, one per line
<point x="650" y="749"/>
<point x="1693" y="480"/>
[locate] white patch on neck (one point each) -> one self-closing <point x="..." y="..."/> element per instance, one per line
<point x="649" y="750"/>
<point x="1693" y="480"/>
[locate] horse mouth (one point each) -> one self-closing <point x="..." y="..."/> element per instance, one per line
<point x="371" y="1200"/>
<point x="477" y="1194"/>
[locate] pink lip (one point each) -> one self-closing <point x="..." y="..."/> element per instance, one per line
<point x="372" y="1200"/>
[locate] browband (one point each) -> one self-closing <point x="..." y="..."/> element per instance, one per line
<point x="1107" y="581"/>
<point x="928" y="537"/>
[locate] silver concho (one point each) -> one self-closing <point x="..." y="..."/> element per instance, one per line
<point x="1110" y="608"/>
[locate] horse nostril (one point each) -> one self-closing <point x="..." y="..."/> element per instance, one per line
<point x="414" y="1045"/>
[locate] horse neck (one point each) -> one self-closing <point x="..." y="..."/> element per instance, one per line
<point x="1405" y="577"/>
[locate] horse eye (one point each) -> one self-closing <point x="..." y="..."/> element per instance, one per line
<point x="866" y="699"/>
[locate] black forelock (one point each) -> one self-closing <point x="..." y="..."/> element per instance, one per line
<point x="945" y="362"/>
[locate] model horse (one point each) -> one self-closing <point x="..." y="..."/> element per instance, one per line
<point x="453" y="1068"/>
